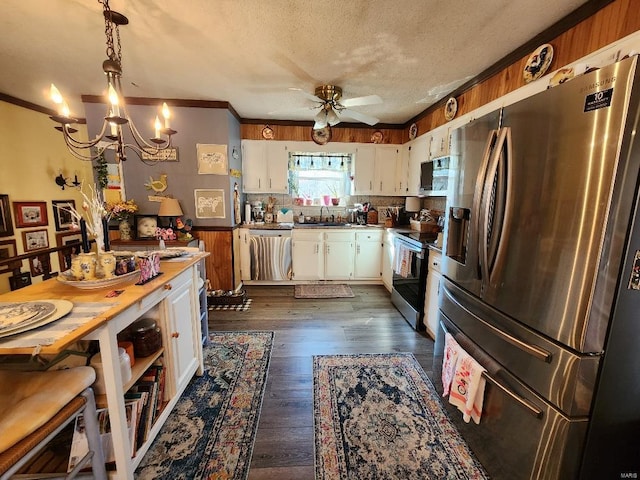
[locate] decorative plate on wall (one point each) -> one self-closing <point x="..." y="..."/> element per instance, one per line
<point x="377" y="137"/>
<point x="450" y="109"/>
<point x="267" y="133"/>
<point x="538" y="63"/>
<point x="322" y="135"/>
<point x="413" y="131"/>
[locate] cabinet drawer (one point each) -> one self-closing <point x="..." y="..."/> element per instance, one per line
<point x="435" y="260"/>
<point x="306" y="234"/>
<point x="370" y="236"/>
<point x="161" y="292"/>
<point x="339" y="236"/>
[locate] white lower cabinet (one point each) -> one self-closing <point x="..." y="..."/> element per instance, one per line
<point x="387" y="260"/>
<point x="338" y="254"/>
<point x="307" y="254"/>
<point x="431" y="293"/>
<point x="368" y="255"/>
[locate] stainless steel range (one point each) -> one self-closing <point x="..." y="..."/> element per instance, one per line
<point x="410" y="275"/>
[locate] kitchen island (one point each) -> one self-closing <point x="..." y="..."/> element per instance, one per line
<point x="171" y="299"/>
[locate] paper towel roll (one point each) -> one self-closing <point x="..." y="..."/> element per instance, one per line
<point x="247" y="212"/>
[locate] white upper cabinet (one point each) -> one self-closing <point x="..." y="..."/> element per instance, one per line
<point x="440" y="140"/>
<point x="413" y="154"/>
<point x="375" y="169"/>
<point x="265" y="166"/>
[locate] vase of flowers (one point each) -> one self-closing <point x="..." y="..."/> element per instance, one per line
<point x="121" y="211"/>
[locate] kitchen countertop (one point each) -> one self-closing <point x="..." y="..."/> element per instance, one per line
<point x="291" y="226"/>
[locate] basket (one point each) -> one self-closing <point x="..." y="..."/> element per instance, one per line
<point x="372" y="217"/>
<point x="424" y="227"/>
<point x="221" y="297"/>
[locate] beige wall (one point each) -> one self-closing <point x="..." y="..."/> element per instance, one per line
<point x="32" y="154"/>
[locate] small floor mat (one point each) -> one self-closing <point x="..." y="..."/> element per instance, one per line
<point x="324" y="291"/>
<point x="243" y="307"/>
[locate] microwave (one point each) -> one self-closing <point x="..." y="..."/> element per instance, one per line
<point x="434" y="177"/>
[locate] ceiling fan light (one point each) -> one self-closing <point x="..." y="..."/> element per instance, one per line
<point x="320" y="120"/>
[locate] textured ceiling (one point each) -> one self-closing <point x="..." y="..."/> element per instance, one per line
<point x="250" y="53"/>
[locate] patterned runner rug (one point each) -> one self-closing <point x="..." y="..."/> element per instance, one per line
<point x="211" y="432"/>
<point x="323" y="291"/>
<point x="377" y="416"/>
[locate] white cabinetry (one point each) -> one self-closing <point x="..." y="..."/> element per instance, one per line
<point x="440" y="140"/>
<point x="339" y="254"/>
<point x="307" y="254"/>
<point x="368" y="259"/>
<point x="431" y="293"/>
<point x="265" y="166"/>
<point x="387" y="260"/>
<point x="245" y="254"/>
<point x="375" y="169"/>
<point x="413" y="154"/>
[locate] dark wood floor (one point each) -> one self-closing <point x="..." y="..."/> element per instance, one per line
<point x="368" y="323"/>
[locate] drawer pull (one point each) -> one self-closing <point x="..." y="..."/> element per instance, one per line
<point x="167" y="286"/>
<point x="175" y="334"/>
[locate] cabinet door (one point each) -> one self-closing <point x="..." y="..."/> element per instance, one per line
<point x="368" y="255"/>
<point x="439" y="145"/>
<point x="364" y="170"/>
<point x="387" y="260"/>
<point x="385" y="169"/>
<point x="277" y="168"/>
<point x="338" y="260"/>
<point x="431" y="293"/>
<point x="182" y="339"/>
<point x="245" y="254"/>
<point x="254" y="166"/>
<point x="307" y="260"/>
<point x="402" y="171"/>
<point x="419" y="153"/>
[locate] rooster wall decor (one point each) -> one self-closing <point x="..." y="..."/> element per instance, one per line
<point x="157" y="186"/>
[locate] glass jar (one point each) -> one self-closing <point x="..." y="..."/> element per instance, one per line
<point x="146" y="337"/>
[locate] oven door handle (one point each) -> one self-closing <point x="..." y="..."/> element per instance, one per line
<point x="418" y="252"/>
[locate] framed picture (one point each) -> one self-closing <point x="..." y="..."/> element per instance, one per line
<point x="39" y="264"/>
<point x="74" y="240"/>
<point x="209" y="203"/>
<point x="30" y="214"/>
<point x="61" y="214"/>
<point x="6" y="226"/>
<point x="145" y="226"/>
<point x="212" y="159"/>
<point x="22" y="280"/>
<point x="35" y="240"/>
<point x="7" y="250"/>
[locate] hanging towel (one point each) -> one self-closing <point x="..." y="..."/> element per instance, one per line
<point x="403" y="261"/>
<point x="451" y="354"/>
<point x="467" y="387"/>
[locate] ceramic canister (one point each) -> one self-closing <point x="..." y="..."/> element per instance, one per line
<point x="88" y="265"/>
<point x="108" y="264"/>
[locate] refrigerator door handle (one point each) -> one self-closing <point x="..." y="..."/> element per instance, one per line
<point x="505" y="231"/>
<point x="487" y="188"/>
<point x="533" y="350"/>
<point x="529" y="406"/>
<point x="477" y="195"/>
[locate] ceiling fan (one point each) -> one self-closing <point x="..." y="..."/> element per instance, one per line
<point x="329" y="100"/>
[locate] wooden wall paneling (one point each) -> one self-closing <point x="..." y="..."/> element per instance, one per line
<point x="220" y="263"/>
<point x="302" y="133"/>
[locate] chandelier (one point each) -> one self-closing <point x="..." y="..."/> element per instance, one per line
<point x="111" y="134"/>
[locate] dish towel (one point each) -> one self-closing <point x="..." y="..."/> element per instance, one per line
<point x="403" y="260"/>
<point x="467" y="387"/>
<point x="451" y="354"/>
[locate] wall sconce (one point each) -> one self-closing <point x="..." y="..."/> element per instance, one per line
<point x="64" y="182"/>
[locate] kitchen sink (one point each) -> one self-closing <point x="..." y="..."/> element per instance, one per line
<point x="323" y="224"/>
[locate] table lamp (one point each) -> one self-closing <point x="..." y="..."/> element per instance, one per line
<point x="170" y="207"/>
<point x="412" y="204"/>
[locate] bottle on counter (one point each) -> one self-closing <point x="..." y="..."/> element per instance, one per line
<point x="301" y="218"/>
<point x="247" y="212"/>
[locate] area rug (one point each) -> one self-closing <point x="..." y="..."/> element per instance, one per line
<point x="211" y="432"/>
<point x="378" y="416"/>
<point x="243" y="307"/>
<point x="323" y="291"/>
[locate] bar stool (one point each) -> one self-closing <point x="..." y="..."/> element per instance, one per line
<point x="36" y="406"/>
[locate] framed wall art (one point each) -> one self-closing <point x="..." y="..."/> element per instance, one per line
<point x="35" y="240"/>
<point x="145" y="226"/>
<point x="37" y="265"/>
<point x="61" y="214"/>
<point x="30" y="214"/>
<point x="72" y="238"/>
<point x="209" y="203"/>
<point x="20" y="281"/>
<point x="6" y="225"/>
<point x="212" y="159"/>
<point x="7" y="250"/>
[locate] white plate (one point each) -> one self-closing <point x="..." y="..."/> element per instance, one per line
<point x="18" y="314"/>
<point x="68" y="279"/>
<point x="538" y="63"/>
<point x="59" y="309"/>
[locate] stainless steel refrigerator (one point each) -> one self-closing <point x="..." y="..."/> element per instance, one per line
<point x="541" y="278"/>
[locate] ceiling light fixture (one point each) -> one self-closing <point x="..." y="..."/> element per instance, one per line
<point x="111" y="135"/>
